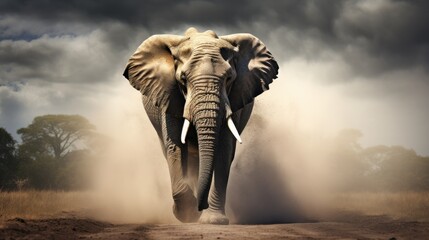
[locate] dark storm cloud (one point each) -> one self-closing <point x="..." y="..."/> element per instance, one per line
<point x="392" y="34"/>
<point x="89" y="58"/>
<point x="32" y="60"/>
<point x="372" y="36"/>
<point x="158" y="12"/>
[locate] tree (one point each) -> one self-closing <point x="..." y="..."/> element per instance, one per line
<point x="376" y="168"/>
<point x="56" y="135"/>
<point x="400" y="169"/>
<point x="53" y="148"/>
<point x="8" y="163"/>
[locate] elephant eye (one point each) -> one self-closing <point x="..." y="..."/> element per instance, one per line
<point x="182" y="84"/>
<point x="183" y="78"/>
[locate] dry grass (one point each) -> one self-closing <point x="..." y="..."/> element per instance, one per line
<point x="40" y="204"/>
<point x="405" y="205"/>
<point x="44" y="204"/>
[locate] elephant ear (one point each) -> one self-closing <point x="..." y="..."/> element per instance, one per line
<point x="255" y="66"/>
<point x="151" y="70"/>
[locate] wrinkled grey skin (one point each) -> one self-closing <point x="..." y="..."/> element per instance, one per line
<point x="205" y="79"/>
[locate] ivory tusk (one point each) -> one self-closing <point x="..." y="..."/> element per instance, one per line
<point x="184" y="130"/>
<point x="233" y="130"/>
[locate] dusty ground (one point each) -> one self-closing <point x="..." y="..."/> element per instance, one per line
<point x="344" y="226"/>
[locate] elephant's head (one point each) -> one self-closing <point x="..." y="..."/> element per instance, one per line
<point x="204" y="79"/>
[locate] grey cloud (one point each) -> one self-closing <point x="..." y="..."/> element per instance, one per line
<point x="388" y="26"/>
<point x="389" y="34"/>
<point x="24" y="27"/>
<point x="167" y="14"/>
<point x="151" y="11"/>
<point x="80" y="59"/>
<point x="21" y="60"/>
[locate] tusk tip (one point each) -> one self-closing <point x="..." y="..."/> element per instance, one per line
<point x="184" y="130"/>
<point x="234" y="130"/>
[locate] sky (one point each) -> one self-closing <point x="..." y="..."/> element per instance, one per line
<point x="343" y="64"/>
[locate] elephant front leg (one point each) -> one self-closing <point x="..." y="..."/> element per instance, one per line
<point x="185" y="204"/>
<point x="215" y="214"/>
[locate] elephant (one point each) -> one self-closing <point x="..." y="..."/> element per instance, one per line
<point x="198" y="91"/>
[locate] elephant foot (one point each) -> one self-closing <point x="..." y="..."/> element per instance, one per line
<point x="213" y="217"/>
<point x="185" y="207"/>
<point x="185" y="215"/>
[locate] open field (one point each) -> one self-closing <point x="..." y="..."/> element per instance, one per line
<point x="40" y="204"/>
<point x="412" y="206"/>
<point x="65" y="215"/>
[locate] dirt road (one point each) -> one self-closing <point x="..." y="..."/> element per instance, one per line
<point x="345" y="227"/>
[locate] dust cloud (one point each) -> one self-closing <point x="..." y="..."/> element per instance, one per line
<point x="273" y="178"/>
<point x="281" y="173"/>
<point x="130" y="180"/>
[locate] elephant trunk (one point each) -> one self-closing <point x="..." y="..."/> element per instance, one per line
<point x="207" y="117"/>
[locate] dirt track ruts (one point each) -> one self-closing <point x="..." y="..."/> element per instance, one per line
<point x="362" y="227"/>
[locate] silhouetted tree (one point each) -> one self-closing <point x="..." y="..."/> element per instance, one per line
<point x="8" y="162"/>
<point x="53" y="149"/>
<point x="56" y="135"/>
<point x="376" y="168"/>
<point x="396" y="169"/>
